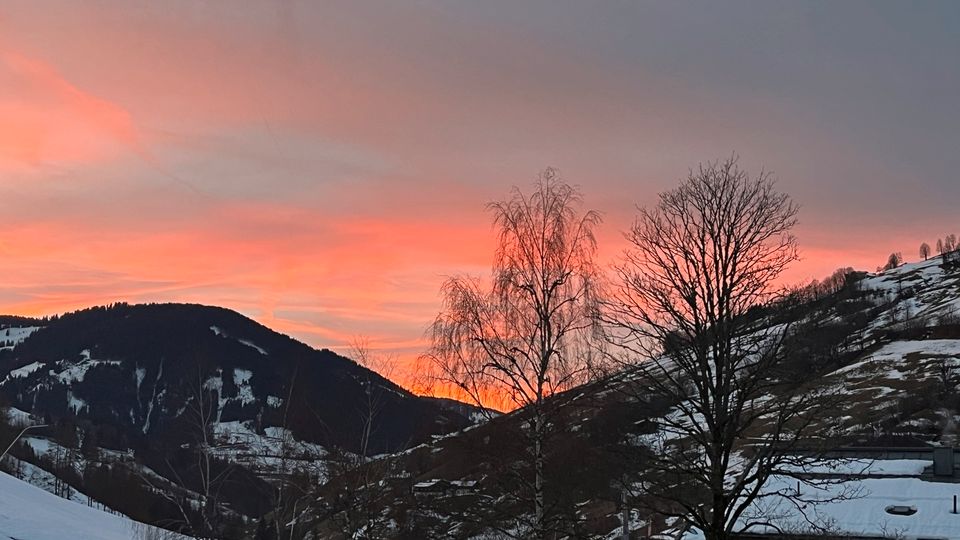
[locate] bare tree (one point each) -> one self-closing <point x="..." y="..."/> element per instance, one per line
<point x="377" y="365"/>
<point x="947" y="372"/>
<point x="949" y="243"/>
<point x="940" y="246"/>
<point x="925" y="250"/>
<point x="525" y="337"/>
<point x="696" y="264"/>
<point x="893" y="261"/>
<point x="295" y="470"/>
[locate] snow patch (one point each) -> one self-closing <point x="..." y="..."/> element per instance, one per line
<point x="140" y="374"/>
<point x="252" y="345"/>
<point x="76" y="404"/>
<point x="16" y="417"/>
<point x="241" y="378"/>
<point x="214" y="383"/>
<point x="30" y="513"/>
<point x="218" y="332"/>
<point x="13" y="336"/>
<point x="153" y="396"/>
<point x="25" y="370"/>
<point x="76" y="372"/>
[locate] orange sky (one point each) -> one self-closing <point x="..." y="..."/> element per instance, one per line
<point x="323" y="168"/>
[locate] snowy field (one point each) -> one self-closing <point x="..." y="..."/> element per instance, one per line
<point x="866" y="512"/>
<point x="30" y="513"/>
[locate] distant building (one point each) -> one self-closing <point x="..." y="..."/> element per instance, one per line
<point x="444" y="488"/>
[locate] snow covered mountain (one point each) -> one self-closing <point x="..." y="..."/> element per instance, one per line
<point x="124" y="378"/>
<point x="149" y="387"/>
<point x="134" y="367"/>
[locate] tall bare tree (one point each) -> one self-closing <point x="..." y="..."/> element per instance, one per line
<point x="378" y="365"/>
<point x="696" y="263"/>
<point x="925" y="250"/>
<point x="525" y="336"/>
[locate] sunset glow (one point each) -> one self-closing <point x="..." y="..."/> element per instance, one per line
<point x="323" y="170"/>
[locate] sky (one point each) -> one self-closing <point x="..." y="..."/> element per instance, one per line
<point x="324" y="166"/>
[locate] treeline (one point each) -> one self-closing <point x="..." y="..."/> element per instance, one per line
<point x="946" y="247"/>
<point x="832" y="284"/>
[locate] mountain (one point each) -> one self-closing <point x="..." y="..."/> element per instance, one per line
<point x="133" y="367"/>
<point x="153" y="385"/>
<point x="121" y="388"/>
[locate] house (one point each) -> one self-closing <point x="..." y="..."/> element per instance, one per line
<point x="444" y="488"/>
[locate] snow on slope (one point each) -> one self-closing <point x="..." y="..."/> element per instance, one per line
<point x="30" y="513"/>
<point x="935" y="291"/>
<point x="18" y="418"/>
<point x="16" y="335"/>
<point x="25" y="370"/>
<point x="275" y="450"/>
<point x="217" y="331"/>
<point x="900" y="358"/>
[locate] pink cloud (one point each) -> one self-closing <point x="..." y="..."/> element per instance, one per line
<point x="342" y="157"/>
<point x="46" y="119"/>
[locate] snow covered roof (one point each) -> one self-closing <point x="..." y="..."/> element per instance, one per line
<point x="440" y="485"/>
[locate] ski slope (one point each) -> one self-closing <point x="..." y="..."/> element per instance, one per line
<point x="30" y="513"/>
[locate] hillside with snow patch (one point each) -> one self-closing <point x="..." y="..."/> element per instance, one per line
<point x="888" y="342"/>
<point x="145" y="404"/>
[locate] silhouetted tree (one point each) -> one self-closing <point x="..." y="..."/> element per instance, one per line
<point x="925" y="250"/>
<point x="696" y="264"/>
<point x="357" y="504"/>
<point x="893" y="261"/>
<point x="526" y="337"/>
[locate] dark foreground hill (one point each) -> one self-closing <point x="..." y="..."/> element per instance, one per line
<point x="889" y="343"/>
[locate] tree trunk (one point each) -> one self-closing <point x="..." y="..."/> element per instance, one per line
<point x="715" y="535"/>
<point x="538" y="474"/>
<point x="717" y="521"/>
